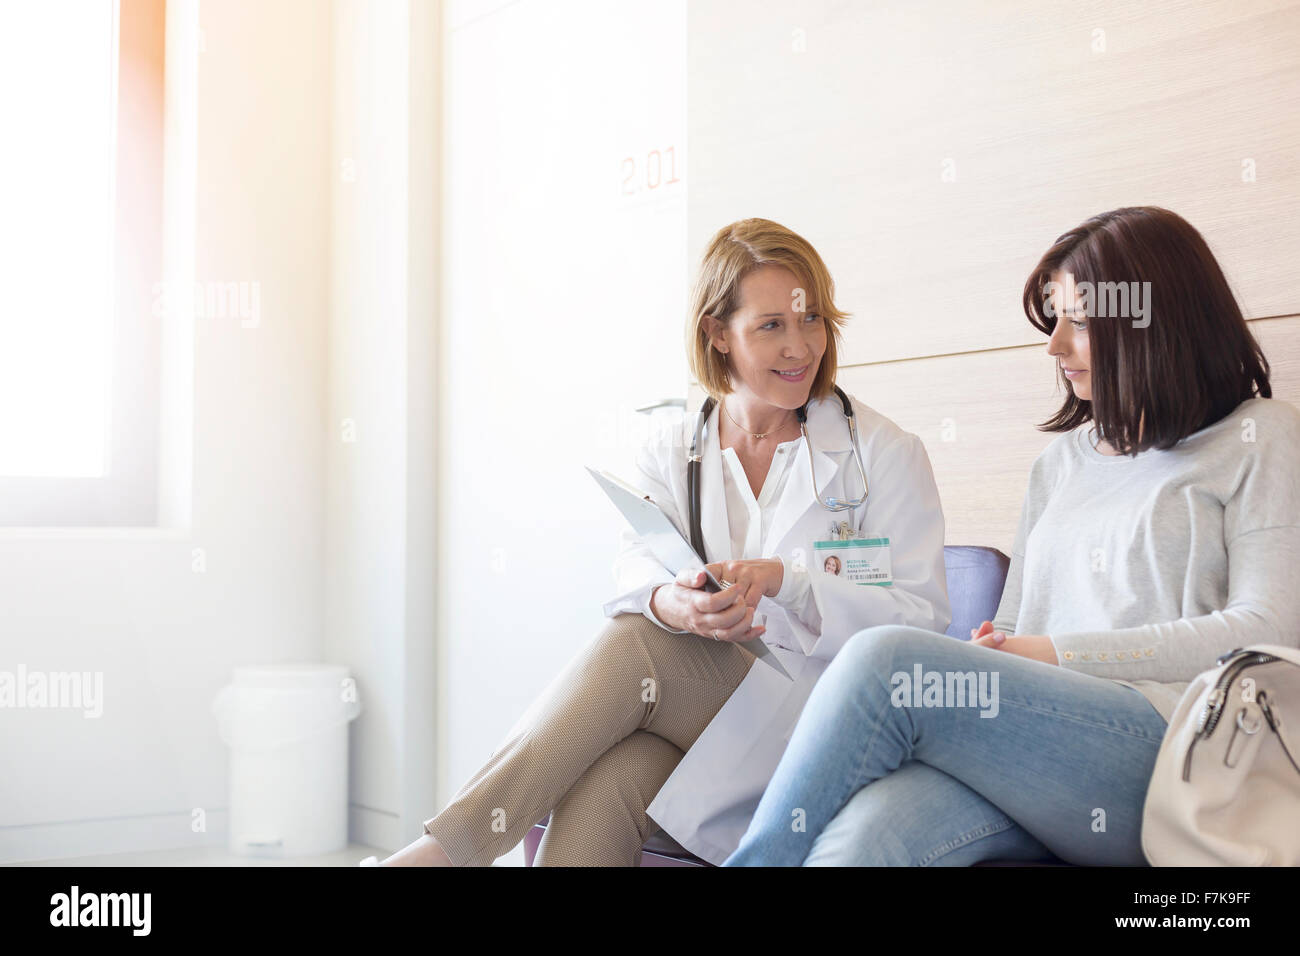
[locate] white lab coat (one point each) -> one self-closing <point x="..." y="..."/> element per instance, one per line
<point x="707" y="803"/>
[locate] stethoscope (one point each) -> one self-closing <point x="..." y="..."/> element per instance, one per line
<point x="830" y="504"/>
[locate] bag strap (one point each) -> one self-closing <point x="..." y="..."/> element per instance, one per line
<point x="1275" y="725"/>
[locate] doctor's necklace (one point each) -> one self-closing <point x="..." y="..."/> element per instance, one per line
<point x="746" y="430"/>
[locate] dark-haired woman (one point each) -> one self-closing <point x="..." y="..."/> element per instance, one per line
<point x="1159" y="531"/>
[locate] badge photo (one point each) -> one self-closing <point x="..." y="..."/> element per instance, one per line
<point x="856" y="560"/>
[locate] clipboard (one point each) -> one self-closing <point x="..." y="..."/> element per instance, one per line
<point x="661" y="536"/>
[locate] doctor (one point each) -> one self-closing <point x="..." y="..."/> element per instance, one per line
<point x="665" y="718"/>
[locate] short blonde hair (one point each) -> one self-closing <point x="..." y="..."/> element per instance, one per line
<point x="733" y="253"/>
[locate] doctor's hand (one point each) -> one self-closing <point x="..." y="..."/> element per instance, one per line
<point x="759" y="577"/>
<point x="721" y="615"/>
<point x="1038" y="647"/>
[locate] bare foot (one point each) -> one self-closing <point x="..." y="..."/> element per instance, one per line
<point x="426" y="851"/>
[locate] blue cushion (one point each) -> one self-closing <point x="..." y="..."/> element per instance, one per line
<point x="975" y="580"/>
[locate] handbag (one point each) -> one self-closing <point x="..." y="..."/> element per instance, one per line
<point x="1225" y="790"/>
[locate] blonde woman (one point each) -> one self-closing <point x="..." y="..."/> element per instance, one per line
<point x="666" y="720"/>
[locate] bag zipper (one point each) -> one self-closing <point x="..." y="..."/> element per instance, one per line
<point x="1237" y="660"/>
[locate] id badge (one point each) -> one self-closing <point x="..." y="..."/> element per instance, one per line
<point x="856" y="560"/>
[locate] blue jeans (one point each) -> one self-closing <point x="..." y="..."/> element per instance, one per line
<point x="882" y="773"/>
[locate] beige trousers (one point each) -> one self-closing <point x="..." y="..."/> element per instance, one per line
<point x="594" y="749"/>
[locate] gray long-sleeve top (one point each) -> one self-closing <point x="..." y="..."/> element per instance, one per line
<point x="1144" y="570"/>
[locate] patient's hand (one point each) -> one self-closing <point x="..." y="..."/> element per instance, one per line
<point x="1038" y="647"/>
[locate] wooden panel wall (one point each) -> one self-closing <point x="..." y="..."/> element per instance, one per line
<point x="976" y="413"/>
<point x="933" y="150"/>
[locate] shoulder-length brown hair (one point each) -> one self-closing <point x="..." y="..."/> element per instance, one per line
<point x="1193" y="361"/>
<point x="734" y="252"/>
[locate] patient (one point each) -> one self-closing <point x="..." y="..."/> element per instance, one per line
<point x="1160" y="530"/>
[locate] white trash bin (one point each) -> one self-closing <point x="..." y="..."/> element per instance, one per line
<point x="287" y="729"/>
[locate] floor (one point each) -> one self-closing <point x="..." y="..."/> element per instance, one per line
<point x="220" y="856"/>
<point x="213" y="856"/>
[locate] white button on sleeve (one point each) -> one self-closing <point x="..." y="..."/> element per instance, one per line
<point x="794" y="585"/>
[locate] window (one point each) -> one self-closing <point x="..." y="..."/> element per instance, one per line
<point x="80" y="252"/>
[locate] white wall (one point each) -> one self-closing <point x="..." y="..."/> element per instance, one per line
<point x="381" y="445"/>
<point x="563" y="309"/>
<point x="128" y="603"/>
<point x="932" y="151"/>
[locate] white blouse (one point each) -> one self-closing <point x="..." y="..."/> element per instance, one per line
<point x="749" y="519"/>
